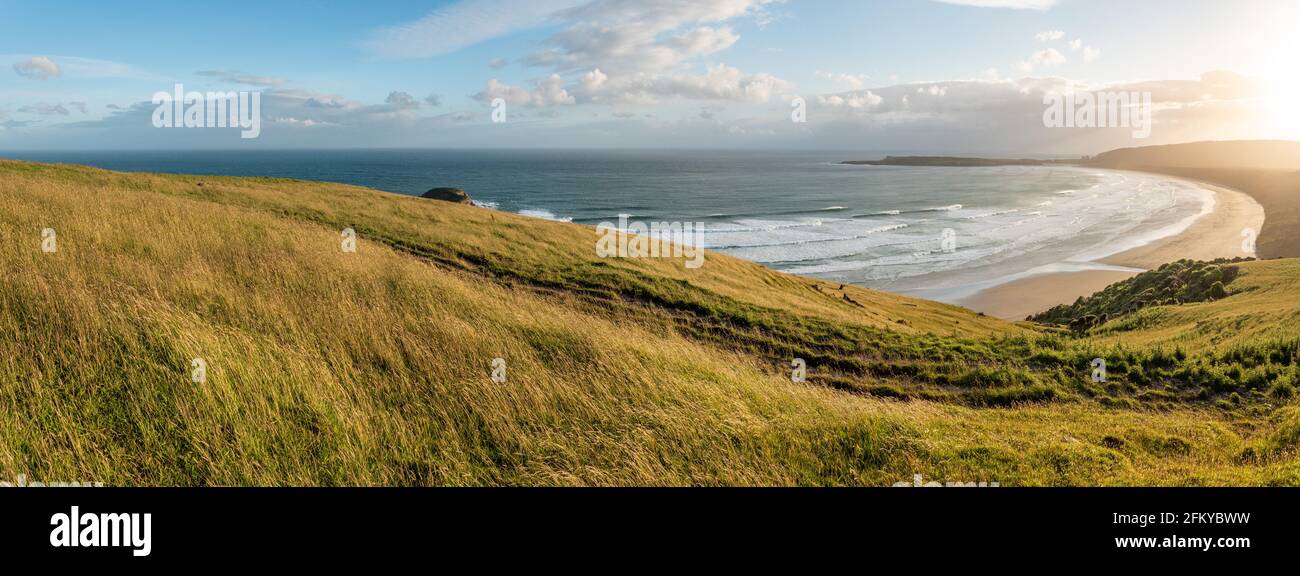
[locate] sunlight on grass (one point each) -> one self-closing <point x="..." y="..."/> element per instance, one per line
<point x="373" y="368"/>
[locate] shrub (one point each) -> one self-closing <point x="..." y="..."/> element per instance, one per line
<point x="1176" y="283"/>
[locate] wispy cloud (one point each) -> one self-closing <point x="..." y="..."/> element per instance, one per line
<point x="244" y="79"/>
<point x="462" y="24"/>
<point x="643" y="36"/>
<point x="7" y="123"/>
<point x="1047" y="57"/>
<point x="1013" y="4"/>
<point x="402" y="101"/>
<point x="38" y="68"/>
<point x="53" y="109"/>
<point x="852" y="81"/>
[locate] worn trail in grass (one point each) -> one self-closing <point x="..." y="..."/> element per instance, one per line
<point x="374" y="368"/>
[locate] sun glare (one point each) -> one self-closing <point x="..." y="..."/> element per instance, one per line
<point x="1281" y="58"/>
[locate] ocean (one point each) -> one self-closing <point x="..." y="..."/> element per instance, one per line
<point x="941" y="233"/>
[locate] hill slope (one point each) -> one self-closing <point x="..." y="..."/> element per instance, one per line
<point x="1234" y="154"/>
<point x="1269" y="171"/>
<point x="326" y="367"/>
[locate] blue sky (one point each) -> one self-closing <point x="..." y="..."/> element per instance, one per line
<point x="909" y="74"/>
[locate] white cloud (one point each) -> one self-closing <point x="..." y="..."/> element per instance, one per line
<point x="1091" y="54"/>
<point x="38" y="68"/>
<point x="710" y="112"/>
<point x="1047" y="57"/>
<point x="401" y="101"/>
<point x="511" y="94"/>
<point x="1076" y="44"/>
<point x="721" y="82"/>
<point x="1013" y="4"/>
<point x="971" y="116"/>
<point x="1049" y="35"/>
<point x="642" y="51"/>
<point x="324" y="102"/>
<point x="980" y="116"/>
<point x="593" y="81"/>
<point x="933" y="90"/>
<point x="41" y="67"/>
<point x="241" y="78"/>
<point x="53" y="109"/>
<point x="551" y="92"/>
<point x="851" y="81"/>
<point x="306" y="123"/>
<point x="642" y="36"/>
<point x="95" y="68"/>
<point x="547" y="92"/>
<point x="703" y="40"/>
<point x="462" y="24"/>
<point x="854" y="100"/>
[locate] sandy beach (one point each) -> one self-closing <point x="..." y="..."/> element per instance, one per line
<point x="1215" y="235"/>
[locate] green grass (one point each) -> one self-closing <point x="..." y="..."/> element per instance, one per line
<point x="1175" y="283"/>
<point x="373" y="368"/>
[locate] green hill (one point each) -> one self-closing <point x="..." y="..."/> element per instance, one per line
<point x="325" y="367"/>
<point x="1175" y="283"/>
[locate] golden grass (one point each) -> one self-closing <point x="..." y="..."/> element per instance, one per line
<point x="373" y="368"/>
<point x="1263" y="307"/>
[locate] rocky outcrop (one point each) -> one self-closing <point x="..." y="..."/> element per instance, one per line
<point x="455" y="195"/>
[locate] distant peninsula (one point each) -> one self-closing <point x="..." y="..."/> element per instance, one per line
<point x="954" y="161"/>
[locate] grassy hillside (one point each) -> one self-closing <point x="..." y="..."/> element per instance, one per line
<point x="1175" y="283"/>
<point x="1221" y="154"/>
<point x="327" y="367"/>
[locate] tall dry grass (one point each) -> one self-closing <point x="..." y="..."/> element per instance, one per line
<point x="373" y="368"/>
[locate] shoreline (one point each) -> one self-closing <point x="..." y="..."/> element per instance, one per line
<point x="1217" y="234"/>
